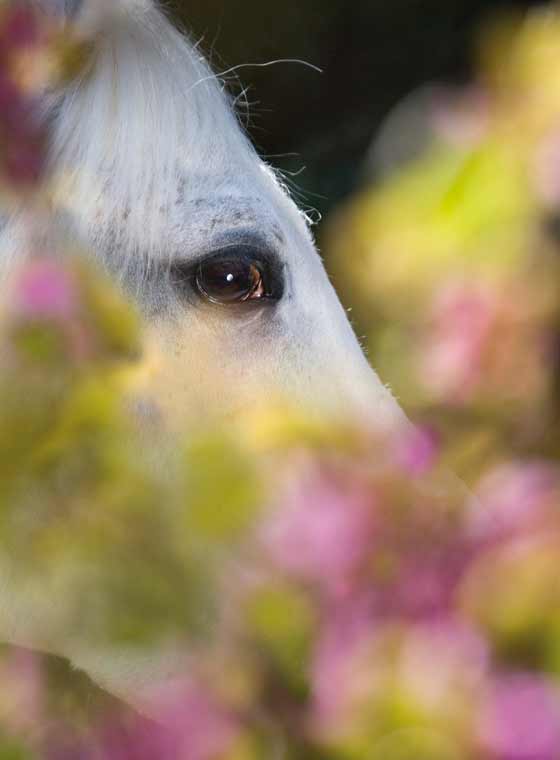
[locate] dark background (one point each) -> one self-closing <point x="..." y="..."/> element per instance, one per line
<point x="372" y="52"/>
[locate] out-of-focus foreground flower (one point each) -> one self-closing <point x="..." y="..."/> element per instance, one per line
<point x="34" y="56"/>
<point x="353" y="608"/>
<point x="452" y="258"/>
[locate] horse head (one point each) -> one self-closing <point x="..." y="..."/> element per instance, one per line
<point x="159" y="182"/>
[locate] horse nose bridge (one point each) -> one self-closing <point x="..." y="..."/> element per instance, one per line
<point x="354" y="385"/>
<point x="330" y="371"/>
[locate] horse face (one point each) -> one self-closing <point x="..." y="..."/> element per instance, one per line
<point x="160" y="183"/>
<point x="250" y="315"/>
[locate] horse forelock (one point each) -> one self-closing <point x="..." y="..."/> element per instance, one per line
<point x="142" y="136"/>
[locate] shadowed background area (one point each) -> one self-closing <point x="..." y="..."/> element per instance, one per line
<point x="372" y="53"/>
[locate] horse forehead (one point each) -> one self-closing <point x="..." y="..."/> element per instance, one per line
<point x="231" y="212"/>
<point x="215" y="208"/>
<point x="204" y="223"/>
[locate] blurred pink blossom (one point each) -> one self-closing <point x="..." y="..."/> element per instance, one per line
<point x="189" y="725"/>
<point x="431" y="662"/>
<point x="441" y="656"/>
<point x="22" y="693"/>
<point x="12" y="109"/>
<point x="321" y="530"/>
<point x="24" y="160"/>
<point x="416" y="450"/>
<point x="485" y="342"/>
<point x="424" y="586"/>
<point x="513" y="498"/>
<point x="19" y="28"/>
<point x="520" y="720"/>
<point x="44" y="289"/>
<point x="421" y="554"/>
<point x="463" y="316"/>
<point x="22" y="134"/>
<point x="346" y="631"/>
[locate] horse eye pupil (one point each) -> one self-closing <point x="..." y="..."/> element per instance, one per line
<point x="229" y="280"/>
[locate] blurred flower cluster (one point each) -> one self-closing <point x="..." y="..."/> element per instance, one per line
<point x="34" y="56"/>
<point x="333" y="595"/>
<point x="341" y="596"/>
<point x="451" y="255"/>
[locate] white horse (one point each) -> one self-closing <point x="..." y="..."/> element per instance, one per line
<point x="158" y="180"/>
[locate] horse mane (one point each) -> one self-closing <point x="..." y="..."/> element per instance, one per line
<point x="136" y="132"/>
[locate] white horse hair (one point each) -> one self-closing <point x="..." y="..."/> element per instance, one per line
<point x="152" y="173"/>
<point x="141" y="134"/>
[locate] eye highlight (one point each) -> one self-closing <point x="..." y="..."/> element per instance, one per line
<point x="234" y="275"/>
<point x="229" y="280"/>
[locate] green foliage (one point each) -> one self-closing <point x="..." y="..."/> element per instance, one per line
<point x="223" y="492"/>
<point x="282" y="625"/>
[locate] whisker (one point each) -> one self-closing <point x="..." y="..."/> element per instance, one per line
<point x="263" y="65"/>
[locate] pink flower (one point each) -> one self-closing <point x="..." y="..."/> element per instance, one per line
<point x="486" y="342"/>
<point x="22" y="697"/>
<point x="423" y="581"/>
<point x="453" y="355"/>
<point x="520" y="720"/>
<point x="44" y="290"/>
<point x="190" y="725"/>
<point x="416" y="450"/>
<point x="203" y="727"/>
<point x="512" y="498"/>
<point x="12" y="111"/>
<point x="421" y="554"/>
<point x="442" y="657"/>
<point x="345" y="635"/>
<point x="357" y="657"/>
<point x="19" y="28"/>
<point x="321" y="530"/>
<point x="22" y="134"/>
<point x="24" y="159"/>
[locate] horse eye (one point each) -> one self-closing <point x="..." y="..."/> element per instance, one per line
<point x="227" y="278"/>
<point x="226" y="281"/>
<point x="236" y="274"/>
